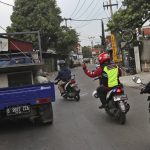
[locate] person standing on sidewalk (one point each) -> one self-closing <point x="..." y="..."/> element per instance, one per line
<point x="108" y="73"/>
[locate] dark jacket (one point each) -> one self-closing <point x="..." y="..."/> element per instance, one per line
<point x="64" y="74"/>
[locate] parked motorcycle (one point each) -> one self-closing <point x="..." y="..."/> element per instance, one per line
<point x="71" y="89"/>
<point x="145" y="88"/>
<point x="116" y="104"/>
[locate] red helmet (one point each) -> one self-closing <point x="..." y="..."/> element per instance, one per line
<point x="103" y="57"/>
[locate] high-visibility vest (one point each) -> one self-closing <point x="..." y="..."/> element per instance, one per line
<point x="112" y="74"/>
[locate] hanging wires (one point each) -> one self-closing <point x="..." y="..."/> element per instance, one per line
<point x="6" y="4"/>
<point x="80" y="8"/>
<point x="86" y="9"/>
<point x="87" y="23"/>
<point x="75" y="8"/>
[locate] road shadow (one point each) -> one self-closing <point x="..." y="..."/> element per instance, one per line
<point x="7" y="126"/>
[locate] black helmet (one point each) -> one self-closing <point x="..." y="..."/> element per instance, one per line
<point x="62" y="63"/>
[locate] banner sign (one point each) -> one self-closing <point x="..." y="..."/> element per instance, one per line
<point x="3" y="44"/>
<point x="114" y="46"/>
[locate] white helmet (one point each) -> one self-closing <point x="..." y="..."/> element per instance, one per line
<point x="94" y="94"/>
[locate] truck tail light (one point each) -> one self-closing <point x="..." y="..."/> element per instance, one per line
<point x="43" y="100"/>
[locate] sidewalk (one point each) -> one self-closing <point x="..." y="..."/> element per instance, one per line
<point x="127" y="80"/>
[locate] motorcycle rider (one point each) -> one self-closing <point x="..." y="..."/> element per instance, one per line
<point x="108" y="73"/>
<point x="64" y="75"/>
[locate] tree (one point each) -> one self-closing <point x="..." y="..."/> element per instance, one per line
<point x="86" y="51"/>
<point x="67" y="40"/>
<point x="36" y="15"/>
<point x="135" y="14"/>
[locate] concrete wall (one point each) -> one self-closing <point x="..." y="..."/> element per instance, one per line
<point x="145" y="55"/>
<point x="3" y="80"/>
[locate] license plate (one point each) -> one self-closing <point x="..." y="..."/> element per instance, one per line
<point x="120" y="97"/>
<point x="18" y="110"/>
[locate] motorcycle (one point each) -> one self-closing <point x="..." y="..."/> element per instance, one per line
<point x="116" y="103"/>
<point x="145" y="88"/>
<point x="71" y="89"/>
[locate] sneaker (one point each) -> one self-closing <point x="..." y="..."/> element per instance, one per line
<point x="101" y="107"/>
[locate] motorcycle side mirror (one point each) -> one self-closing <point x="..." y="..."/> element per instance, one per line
<point x="137" y="80"/>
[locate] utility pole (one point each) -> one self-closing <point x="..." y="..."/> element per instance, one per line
<point x="66" y="21"/>
<point x="92" y="38"/>
<point x="110" y="5"/>
<point x="116" y="59"/>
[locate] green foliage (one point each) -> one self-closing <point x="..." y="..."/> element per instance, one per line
<point x="86" y="51"/>
<point x="135" y="14"/>
<point x="67" y="40"/>
<point x="43" y="16"/>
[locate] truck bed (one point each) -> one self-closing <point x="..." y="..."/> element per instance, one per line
<point x="26" y="95"/>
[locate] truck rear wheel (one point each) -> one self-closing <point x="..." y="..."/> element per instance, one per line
<point x="46" y="114"/>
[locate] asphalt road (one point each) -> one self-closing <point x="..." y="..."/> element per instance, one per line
<point x="81" y="125"/>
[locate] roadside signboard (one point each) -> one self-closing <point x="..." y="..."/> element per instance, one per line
<point x="114" y="46"/>
<point x="3" y="44"/>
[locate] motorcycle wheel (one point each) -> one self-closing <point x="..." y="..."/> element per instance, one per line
<point x="77" y="97"/>
<point x="122" y="118"/>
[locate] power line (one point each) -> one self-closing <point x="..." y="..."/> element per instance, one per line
<point x="89" y="21"/>
<point x="86" y="9"/>
<point x="92" y="14"/>
<point x="80" y="8"/>
<point x="2" y="28"/>
<point x="75" y="8"/>
<point x="110" y="5"/>
<point x="84" y="19"/>
<point x="85" y="24"/>
<point x="6" y="4"/>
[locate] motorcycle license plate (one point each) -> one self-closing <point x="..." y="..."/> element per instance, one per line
<point x="120" y="97"/>
<point x="18" y="110"/>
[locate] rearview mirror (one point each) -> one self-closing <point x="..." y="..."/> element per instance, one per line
<point x="137" y="80"/>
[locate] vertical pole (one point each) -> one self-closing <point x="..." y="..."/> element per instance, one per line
<point x="66" y="22"/>
<point x="40" y="49"/>
<point x="111" y="10"/>
<point x="137" y="59"/>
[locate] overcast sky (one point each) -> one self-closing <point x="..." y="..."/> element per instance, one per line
<point x="75" y="9"/>
<point x="86" y="10"/>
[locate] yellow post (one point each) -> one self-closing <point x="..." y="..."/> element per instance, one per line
<point x="116" y="59"/>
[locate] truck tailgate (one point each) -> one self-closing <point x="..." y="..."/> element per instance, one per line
<point x="26" y="94"/>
